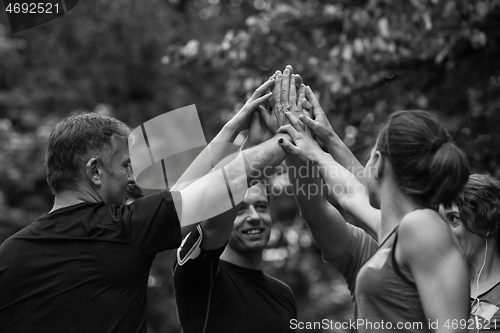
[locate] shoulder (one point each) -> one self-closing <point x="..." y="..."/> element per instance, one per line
<point x="159" y="206"/>
<point x="424" y="225"/>
<point x="163" y="197"/>
<point x="424" y="231"/>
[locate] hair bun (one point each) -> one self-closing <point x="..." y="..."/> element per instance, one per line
<point x="436" y="145"/>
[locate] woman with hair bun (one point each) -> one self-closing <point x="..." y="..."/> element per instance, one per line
<point x="414" y="279"/>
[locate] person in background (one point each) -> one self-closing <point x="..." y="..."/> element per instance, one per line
<point x="218" y="279"/>
<point x="475" y="220"/>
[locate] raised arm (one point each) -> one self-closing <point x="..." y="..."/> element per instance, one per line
<point x="344" y="246"/>
<point x="348" y="191"/>
<point x="342" y="185"/>
<point x="251" y="165"/>
<point x="322" y="128"/>
<point x="221" y="146"/>
<point x="327" y="225"/>
<point x="225" y="186"/>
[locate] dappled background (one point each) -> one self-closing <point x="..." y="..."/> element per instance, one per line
<point x="136" y="59"/>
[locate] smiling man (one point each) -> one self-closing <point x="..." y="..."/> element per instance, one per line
<point x="218" y="278"/>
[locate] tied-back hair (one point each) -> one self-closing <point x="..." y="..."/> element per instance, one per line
<point x="74" y="141"/>
<point x="479" y="205"/>
<point x="428" y="166"/>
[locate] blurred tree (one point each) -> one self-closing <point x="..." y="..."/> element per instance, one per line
<point x="136" y="59"/>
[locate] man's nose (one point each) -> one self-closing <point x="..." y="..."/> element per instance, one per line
<point x="252" y="216"/>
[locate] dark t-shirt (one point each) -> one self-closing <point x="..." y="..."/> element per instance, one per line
<point x="85" y="268"/>
<point x="215" y="296"/>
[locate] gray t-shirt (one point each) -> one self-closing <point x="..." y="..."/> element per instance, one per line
<point x="385" y="299"/>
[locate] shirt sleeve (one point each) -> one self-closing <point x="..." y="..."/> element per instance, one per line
<point x="194" y="275"/>
<point x="361" y="248"/>
<point x="151" y="223"/>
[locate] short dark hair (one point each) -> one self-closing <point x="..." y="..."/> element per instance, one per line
<point x="479" y="205"/>
<point x="428" y="166"/>
<point x="74" y="141"/>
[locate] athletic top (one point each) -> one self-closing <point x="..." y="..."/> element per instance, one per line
<point x="363" y="247"/>
<point x="215" y="296"/>
<point x="380" y="291"/>
<point x="486" y="316"/>
<point x="84" y="268"/>
<point x="394" y="301"/>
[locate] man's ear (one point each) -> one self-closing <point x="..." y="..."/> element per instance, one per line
<point x="92" y="171"/>
<point x="379" y="165"/>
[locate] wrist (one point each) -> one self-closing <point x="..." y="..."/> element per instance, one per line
<point x="228" y="133"/>
<point x="334" y="143"/>
<point x="333" y="139"/>
<point x="284" y="136"/>
<point x="319" y="156"/>
<point x="247" y="144"/>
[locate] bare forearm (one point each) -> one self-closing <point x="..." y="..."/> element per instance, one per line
<point x="328" y="228"/>
<point x="348" y="191"/>
<point x="326" y="224"/>
<point x="220" y="147"/>
<point x="260" y="160"/>
<point x="306" y="183"/>
<point x="344" y="156"/>
<point x="340" y="182"/>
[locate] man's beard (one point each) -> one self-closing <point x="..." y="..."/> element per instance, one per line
<point x="133" y="192"/>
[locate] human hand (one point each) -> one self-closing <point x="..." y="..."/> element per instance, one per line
<point x="318" y="123"/>
<point x="284" y="99"/>
<point x="258" y="131"/>
<point x="270" y="102"/>
<point x="241" y="120"/>
<point x="304" y="103"/>
<point x="304" y="147"/>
